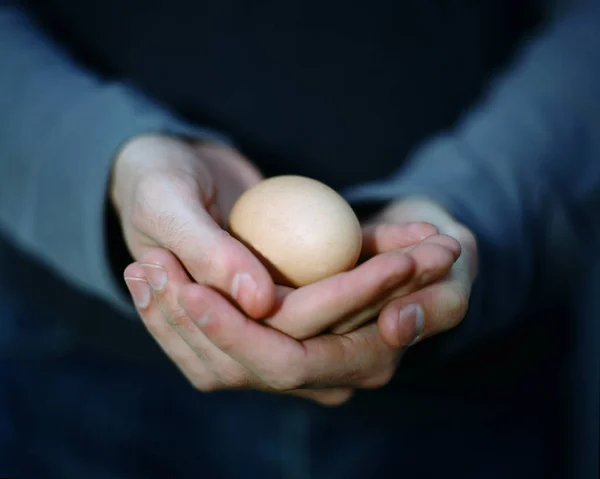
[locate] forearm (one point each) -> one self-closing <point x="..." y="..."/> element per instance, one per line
<point x="60" y="127"/>
<point x="522" y="171"/>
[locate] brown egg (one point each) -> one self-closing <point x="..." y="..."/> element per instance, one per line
<point x="301" y="229"/>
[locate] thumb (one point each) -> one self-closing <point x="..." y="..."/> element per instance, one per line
<point x="174" y="207"/>
<point x="214" y="258"/>
<point x="237" y="273"/>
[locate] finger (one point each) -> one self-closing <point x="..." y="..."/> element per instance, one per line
<point x="348" y="300"/>
<point x="432" y="310"/>
<point x="427" y="210"/>
<point x="318" y="306"/>
<point x="325" y="397"/>
<point x="448" y="242"/>
<point x="433" y="260"/>
<point x="384" y="237"/>
<point x="360" y="359"/>
<point x="167" y="277"/>
<point x="274" y="358"/>
<point x="175" y="216"/>
<point x="170" y="342"/>
<point x="216" y="259"/>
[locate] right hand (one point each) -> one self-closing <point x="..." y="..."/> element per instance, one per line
<point x="176" y="195"/>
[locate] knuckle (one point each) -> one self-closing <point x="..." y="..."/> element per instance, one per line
<point x="211" y="265"/>
<point x="232" y="375"/>
<point x="222" y="341"/>
<point x="379" y="379"/>
<point x="212" y="262"/>
<point x="464" y="235"/>
<point x="220" y="256"/>
<point x="178" y="318"/>
<point x="234" y="378"/>
<point x="205" y="354"/>
<point x="397" y="265"/>
<point x="356" y="374"/>
<point x="381" y="372"/>
<point x="201" y="379"/>
<point x="454" y="302"/>
<point x="286" y="379"/>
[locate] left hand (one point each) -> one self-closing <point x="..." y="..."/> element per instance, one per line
<point x="439" y="306"/>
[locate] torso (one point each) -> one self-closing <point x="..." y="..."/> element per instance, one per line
<point x="338" y="92"/>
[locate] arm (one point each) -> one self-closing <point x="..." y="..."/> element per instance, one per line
<point x="522" y="170"/>
<point x="60" y="127"/>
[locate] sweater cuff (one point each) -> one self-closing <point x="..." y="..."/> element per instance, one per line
<point x="120" y="113"/>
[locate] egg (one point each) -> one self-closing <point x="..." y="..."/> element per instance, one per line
<point x="301" y="229"/>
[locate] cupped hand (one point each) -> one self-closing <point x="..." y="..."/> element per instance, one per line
<point x="415" y="257"/>
<point x="217" y="347"/>
<point x="175" y="195"/>
<point x="172" y="197"/>
<point x="442" y="304"/>
<point x="173" y="318"/>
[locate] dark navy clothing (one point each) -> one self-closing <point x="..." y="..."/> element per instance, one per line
<point x="85" y="415"/>
<point x="340" y="91"/>
<point x="493" y="105"/>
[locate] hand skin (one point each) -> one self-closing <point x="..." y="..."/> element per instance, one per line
<point x="218" y="347"/>
<point x="170" y="196"/>
<point x="443" y="304"/>
<point x="169" y="193"/>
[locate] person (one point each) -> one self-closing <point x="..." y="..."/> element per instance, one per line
<point x="127" y="132"/>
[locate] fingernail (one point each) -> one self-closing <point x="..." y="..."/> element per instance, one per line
<point x="243" y="287"/>
<point x="140" y="291"/>
<point x="156" y="276"/>
<point x="411" y="323"/>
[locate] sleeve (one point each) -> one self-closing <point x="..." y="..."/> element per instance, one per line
<point x="60" y="127"/>
<point x="522" y="170"/>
